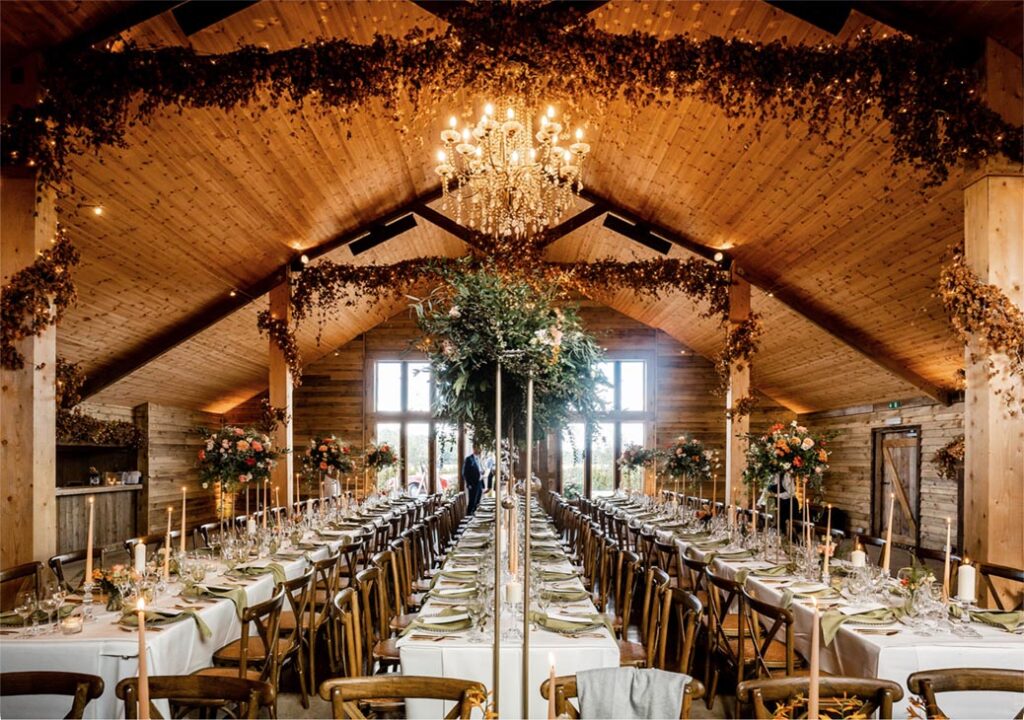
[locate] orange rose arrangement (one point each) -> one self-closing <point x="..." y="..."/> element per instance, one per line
<point x="235" y="456"/>
<point x="327" y="455"/>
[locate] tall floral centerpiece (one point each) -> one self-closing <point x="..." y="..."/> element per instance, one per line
<point x="478" y="318"/>
<point x="688" y="460"/>
<point x="787" y="450"/>
<point x="633" y="460"/>
<point x="233" y="458"/>
<point x="326" y="457"/>
<point x="380" y="457"/>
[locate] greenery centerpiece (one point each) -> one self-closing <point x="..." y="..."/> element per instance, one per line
<point x="787" y="450"/>
<point x="478" y="318"/>
<point x="634" y="459"/>
<point x="687" y="459"/>
<point x="234" y="457"/>
<point x="111" y="581"/>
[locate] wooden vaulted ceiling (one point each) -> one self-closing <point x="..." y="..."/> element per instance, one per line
<point x="204" y="202"/>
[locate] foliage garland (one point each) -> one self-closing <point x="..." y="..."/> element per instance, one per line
<point x="75" y="426"/>
<point x="741" y="342"/>
<point x="949" y="459"/>
<point x="284" y="337"/>
<point x="538" y="51"/>
<point x="36" y="297"/>
<point x="982" y="312"/>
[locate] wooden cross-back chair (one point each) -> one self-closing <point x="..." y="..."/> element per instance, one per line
<point x="375" y="613"/>
<point x="295" y="624"/>
<point x="81" y="688"/>
<point x="349" y="633"/>
<point x="566" y="690"/>
<point x="203" y="535"/>
<point x="351" y="552"/>
<point x="725" y="649"/>
<point x="643" y="653"/>
<point x="666" y="554"/>
<point x="774" y="699"/>
<point x="57" y="565"/>
<point x="769" y="644"/>
<point x="927" y="683"/>
<point x="237" y="697"/>
<point x="327" y="573"/>
<point x="987" y="571"/>
<point x="19" y="574"/>
<point x="344" y="694"/>
<point x="627" y="569"/>
<point x="683" y="617"/>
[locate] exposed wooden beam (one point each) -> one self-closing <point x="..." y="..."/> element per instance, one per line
<point x="806" y="307"/>
<point x="463" y="233"/>
<point x="166" y="340"/>
<point x="134" y="14"/>
<point x="583" y="217"/>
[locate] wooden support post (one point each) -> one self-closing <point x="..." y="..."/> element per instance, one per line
<point x="283" y="476"/>
<point x="739" y="388"/>
<point x="28" y="224"/>
<point x="994" y="245"/>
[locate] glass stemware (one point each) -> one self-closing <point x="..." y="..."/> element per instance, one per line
<point x="25" y="606"/>
<point x="48" y="604"/>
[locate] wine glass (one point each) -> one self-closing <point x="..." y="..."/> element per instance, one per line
<point x="48" y="603"/>
<point x="24" y="606"/>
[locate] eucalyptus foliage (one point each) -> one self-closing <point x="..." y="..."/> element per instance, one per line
<point x="478" y="318"/>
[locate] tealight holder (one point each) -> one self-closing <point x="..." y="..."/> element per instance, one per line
<point x="72" y="624"/>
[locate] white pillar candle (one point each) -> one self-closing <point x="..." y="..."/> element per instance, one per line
<point x="858" y="558"/>
<point x="140" y="558"/>
<point x="143" y="674"/>
<point x="812" y="690"/>
<point x="888" y="535"/>
<point x="184" y="495"/>
<point x="514" y="592"/>
<point x="966" y="577"/>
<point x="250" y="526"/>
<point x="88" y="547"/>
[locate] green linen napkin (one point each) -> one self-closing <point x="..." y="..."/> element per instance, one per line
<point x="458" y="574"/>
<point x="565" y="627"/>
<point x="251" y="570"/>
<point x="831" y="620"/>
<point x="458" y="592"/>
<point x="565" y="595"/>
<point x="557" y="575"/>
<point x="13" y="619"/>
<point x="693" y="537"/>
<point x="729" y="555"/>
<point x="823" y="594"/>
<point x="235" y="595"/>
<point x="711" y="545"/>
<point x="1008" y="621"/>
<point x="546" y="555"/>
<point x="776" y="571"/>
<point x="424" y="623"/>
<point x="163" y="617"/>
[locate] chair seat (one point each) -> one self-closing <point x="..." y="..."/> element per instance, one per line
<point x="386" y="650"/>
<point x="228" y="672"/>
<point x="232" y="652"/>
<point x="775" y="657"/>
<point x="401" y="622"/>
<point x="631" y="654"/>
<point x="288" y="621"/>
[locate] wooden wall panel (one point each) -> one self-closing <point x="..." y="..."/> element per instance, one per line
<point x="848" y="482"/>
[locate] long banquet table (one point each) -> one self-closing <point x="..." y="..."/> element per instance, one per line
<point x="457" y="657"/>
<point x="895" y="657"/>
<point x="108" y="650"/>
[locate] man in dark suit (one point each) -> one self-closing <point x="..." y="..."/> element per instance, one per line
<point x="473" y="475"/>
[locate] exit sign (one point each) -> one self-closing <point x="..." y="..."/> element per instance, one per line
<point x="895" y="404"/>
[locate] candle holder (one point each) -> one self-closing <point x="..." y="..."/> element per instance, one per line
<point x="87" y="601"/>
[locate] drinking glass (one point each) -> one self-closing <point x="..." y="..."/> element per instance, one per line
<point x="24" y="606"/>
<point x="48" y="603"/>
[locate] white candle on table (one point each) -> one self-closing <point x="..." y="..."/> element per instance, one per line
<point x="184" y="495"/>
<point x="140" y="558"/>
<point x="514" y="592"/>
<point x="250" y="526"/>
<point x="266" y="496"/>
<point x="888" y="535"/>
<point x="88" y="547"/>
<point x="966" y="577"/>
<point x="754" y="523"/>
<point x="812" y="690"/>
<point x="551" y="687"/>
<point x="828" y="551"/>
<point x="858" y="558"/>
<point x="143" y="674"/>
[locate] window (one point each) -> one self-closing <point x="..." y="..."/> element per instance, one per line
<point x="588" y="464"/>
<point x="402" y="416"/>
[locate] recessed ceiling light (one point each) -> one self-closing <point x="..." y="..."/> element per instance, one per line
<point x="719" y="256"/>
<point x="97" y="210"/>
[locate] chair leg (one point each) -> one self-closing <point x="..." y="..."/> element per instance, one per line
<point x="312" y="661"/>
<point x="300" y="669"/>
<point x="712" y="693"/>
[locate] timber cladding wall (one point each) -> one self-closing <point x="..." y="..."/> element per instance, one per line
<point x="848" y="482"/>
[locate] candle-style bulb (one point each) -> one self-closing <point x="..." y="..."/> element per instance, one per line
<point x="510" y="114"/>
<point x="488" y="109"/>
<point x="551" y="111"/>
<point x="442" y="156"/>
<point x="579" y="133"/>
<point x="452" y="122"/>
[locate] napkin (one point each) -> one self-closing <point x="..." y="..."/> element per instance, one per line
<point x="712" y="544"/>
<point x="813" y="590"/>
<point x="1008" y="621"/>
<point x="235" y="595"/>
<point x="252" y="570"/>
<point x="556" y="575"/>
<point x="546" y="555"/>
<point x="565" y="595"/>
<point x="774" y="571"/>
<point x="569" y="624"/>
<point x="449" y="619"/>
<point x="831" y="620"/>
<point x="166" y="617"/>
<point x="454" y="592"/>
<point x="12" y="619"/>
<point x="729" y="555"/>
<point x="458" y="574"/>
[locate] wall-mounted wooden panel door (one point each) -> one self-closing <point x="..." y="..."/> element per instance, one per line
<point x="897" y="470"/>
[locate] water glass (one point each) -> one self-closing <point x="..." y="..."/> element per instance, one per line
<point x="25" y="606"/>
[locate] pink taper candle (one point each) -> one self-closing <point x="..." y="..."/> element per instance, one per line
<point x="888" y="535"/>
<point x="945" y="565"/>
<point x="184" y="494"/>
<point x="143" y="675"/>
<point x="812" y="691"/>
<point x="551" y="687"/>
<point x="167" y="546"/>
<point x="88" y="547"/>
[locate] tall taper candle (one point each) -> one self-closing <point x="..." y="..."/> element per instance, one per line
<point x="888" y="535"/>
<point x="167" y="545"/>
<point x="828" y="530"/>
<point x="945" y="565"/>
<point x="551" y="688"/>
<point x="812" y="691"/>
<point x="184" y="495"/>
<point x="496" y="645"/>
<point x="88" y="547"/>
<point x="277" y="503"/>
<point x="266" y="496"/>
<point x="143" y="674"/>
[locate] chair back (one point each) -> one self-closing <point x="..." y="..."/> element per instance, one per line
<point x="927" y="683"/>
<point x="57" y="563"/>
<point x="298" y="592"/>
<point x="248" y="695"/>
<point x="203" y="535"/>
<point x="987" y="571"/>
<point x="80" y="687"/>
<point x="566" y="690"/>
<point x="763" y="624"/>
<point x="373" y="607"/>
<point x="390" y="583"/>
<point x="327" y="572"/>
<point x="653" y="611"/>
<point x="351" y="553"/>
<point x="858" y="697"/>
<point x="625" y="586"/>
<point x="685" y="611"/>
<point x="350" y="637"/>
<point x="693" y="578"/>
<point x="153" y="542"/>
<point x="725" y="597"/>
<point x="265" y="618"/>
<point x="20" y="572"/>
<point x="344" y="694"/>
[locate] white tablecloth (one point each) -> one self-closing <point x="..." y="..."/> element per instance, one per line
<point x="104" y="649"/>
<point x="896" y="657"/>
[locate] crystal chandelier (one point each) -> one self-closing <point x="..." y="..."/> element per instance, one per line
<point x="503" y="179"/>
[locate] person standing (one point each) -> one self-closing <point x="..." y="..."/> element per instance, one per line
<point x="473" y="475"/>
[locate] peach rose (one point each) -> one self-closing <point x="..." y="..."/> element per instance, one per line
<point x="257" y="446"/>
<point x="242" y="445"/>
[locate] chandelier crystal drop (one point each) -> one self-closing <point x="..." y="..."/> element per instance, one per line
<point x="507" y="176"/>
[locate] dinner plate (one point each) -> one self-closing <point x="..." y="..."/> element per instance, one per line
<point x="443" y="619"/>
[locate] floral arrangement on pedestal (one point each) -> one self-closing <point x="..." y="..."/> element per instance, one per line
<point x="786" y="450"/>
<point x="379" y="457"/>
<point x="689" y="460"/>
<point x="326" y="456"/>
<point x="633" y="460"/>
<point x="480" y="317"/>
<point x="234" y="456"/>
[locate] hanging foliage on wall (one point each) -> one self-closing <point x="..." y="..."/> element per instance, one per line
<point x="36" y="297"/>
<point x="284" y="337"/>
<point x="987" y="322"/>
<point x="949" y="459"/>
<point x="542" y="52"/>
<point x="741" y="343"/>
<point x="75" y="426"/>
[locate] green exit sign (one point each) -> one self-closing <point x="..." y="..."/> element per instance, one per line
<point x="895" y="404"/>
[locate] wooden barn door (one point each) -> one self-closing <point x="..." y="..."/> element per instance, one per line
<point x="897" y="469"/>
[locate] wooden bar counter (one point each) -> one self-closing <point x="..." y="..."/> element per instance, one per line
<point x="115" y="520"/>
